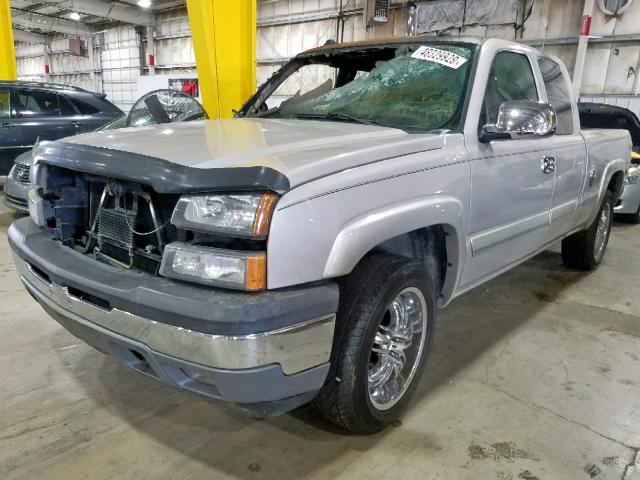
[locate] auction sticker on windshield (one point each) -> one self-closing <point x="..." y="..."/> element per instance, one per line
<point x="430" y="54"/>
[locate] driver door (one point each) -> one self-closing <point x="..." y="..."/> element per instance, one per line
<point x="510" y="192"/>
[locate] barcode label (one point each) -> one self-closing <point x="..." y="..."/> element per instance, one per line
<point x="436" y="55"/>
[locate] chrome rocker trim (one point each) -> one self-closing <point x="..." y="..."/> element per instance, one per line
<point x="295" y="348"/>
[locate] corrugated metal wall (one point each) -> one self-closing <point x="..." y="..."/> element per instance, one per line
<point x="286" y="27"/>
<point x="173" y="44"/>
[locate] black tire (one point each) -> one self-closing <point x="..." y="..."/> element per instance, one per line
<point x="633" y="217"/>
<point x="364" y="299"/>
<point x="579" y="250"/>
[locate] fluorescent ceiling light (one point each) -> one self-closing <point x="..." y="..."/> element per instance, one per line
<point x="144" y="3"/>
<point x="74" y="16"/>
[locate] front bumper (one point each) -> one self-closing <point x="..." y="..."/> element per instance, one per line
<point x="15" y="195"/>
<point x="266" y="371"/>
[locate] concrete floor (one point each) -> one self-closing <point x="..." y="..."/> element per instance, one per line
<point x="534" y="376"/>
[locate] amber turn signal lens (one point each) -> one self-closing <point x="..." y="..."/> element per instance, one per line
<point x="263" y="214"/>
<point x="256" y="272"/>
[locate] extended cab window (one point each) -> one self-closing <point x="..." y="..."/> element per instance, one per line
<point x="38" y="103"/>
<point x="510" y="78"/>
<point x="557" y="94"/>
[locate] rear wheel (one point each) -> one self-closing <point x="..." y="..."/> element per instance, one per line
<point x="384" y="328"/>
<point x="585" y="250"/>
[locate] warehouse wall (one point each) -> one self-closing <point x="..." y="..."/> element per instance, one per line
<point x="117" y="64"/>
<point x="612" y="65"/>
<point x="64" y="67"/>
<point x="286" y="27"/>
<point x="173" y="44"/>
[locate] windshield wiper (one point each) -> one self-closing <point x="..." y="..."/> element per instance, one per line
<point x="340" y="116"/>
<point x="335" y="116"/>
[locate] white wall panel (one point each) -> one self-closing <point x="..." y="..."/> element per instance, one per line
<point x="595" y="69"/>
<point x="621" y="72"/>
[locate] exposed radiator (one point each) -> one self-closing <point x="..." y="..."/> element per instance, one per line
<point x="115" y="227"/>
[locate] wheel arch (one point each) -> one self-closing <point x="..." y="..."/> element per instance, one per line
<point x="612" y="179"/>
<point x="429" y="229"/>
<point x="616" y="184"/>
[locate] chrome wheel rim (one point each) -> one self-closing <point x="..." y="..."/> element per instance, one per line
<point x="602" y="232"/>
<point x="397" y="348"/>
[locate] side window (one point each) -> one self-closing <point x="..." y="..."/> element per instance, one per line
<point x="5" y="103"/>
<point x="84" y="108"/>
<point x="558" y="94"/>
<point x="66" y="108"/>
<point x="510" y="78"/>
<point x="38" y="103"/>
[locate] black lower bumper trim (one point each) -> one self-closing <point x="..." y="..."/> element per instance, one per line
<point x="261" y="391"/>
<point x="197" y="308"/>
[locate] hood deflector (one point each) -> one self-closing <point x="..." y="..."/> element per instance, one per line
<point x="163" y="176"/>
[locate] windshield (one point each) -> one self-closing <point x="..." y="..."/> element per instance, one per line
<point x="419" y="87"/>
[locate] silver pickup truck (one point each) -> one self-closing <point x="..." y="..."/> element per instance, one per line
<point x="300" y="251"/>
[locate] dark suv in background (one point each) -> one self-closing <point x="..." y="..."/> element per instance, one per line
<point x="31" y="110"/>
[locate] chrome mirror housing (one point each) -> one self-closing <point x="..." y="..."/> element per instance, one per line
<point x="521" y="120"/>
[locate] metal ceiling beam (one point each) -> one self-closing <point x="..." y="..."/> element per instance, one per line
<point x="28" y="37"/>
<point x="325" y="14"/>
<point x="49" y="24"/>
<point x="119" y="12"/>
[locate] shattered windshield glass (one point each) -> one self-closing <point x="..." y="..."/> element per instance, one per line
<point x="418" y="88"/>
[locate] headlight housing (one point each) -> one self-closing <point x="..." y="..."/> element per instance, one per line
<point x="242" y="214"/>
<point x="215" y="267"/>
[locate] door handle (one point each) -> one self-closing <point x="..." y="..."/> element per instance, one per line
<point x="548" y="164"/>
<point x="9" y="125"/>
<point x="77" y="124"/>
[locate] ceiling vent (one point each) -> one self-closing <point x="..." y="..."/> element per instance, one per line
<point x="378" y="11"/>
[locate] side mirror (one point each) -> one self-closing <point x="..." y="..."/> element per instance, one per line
<point x="519" y="120"/>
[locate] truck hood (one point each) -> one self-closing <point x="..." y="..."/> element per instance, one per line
<point x="301" y="150"/>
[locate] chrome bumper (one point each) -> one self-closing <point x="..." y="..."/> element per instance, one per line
<point x="295" y="348"/>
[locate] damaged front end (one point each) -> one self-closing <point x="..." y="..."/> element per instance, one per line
<point x="118" y="222"/>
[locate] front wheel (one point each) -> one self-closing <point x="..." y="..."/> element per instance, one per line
<point x="585" y="250"/>
<point x="383" y="333"/>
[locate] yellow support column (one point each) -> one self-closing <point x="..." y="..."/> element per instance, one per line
<point x="224" y="41"/>
<point x="8" y="69"/>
